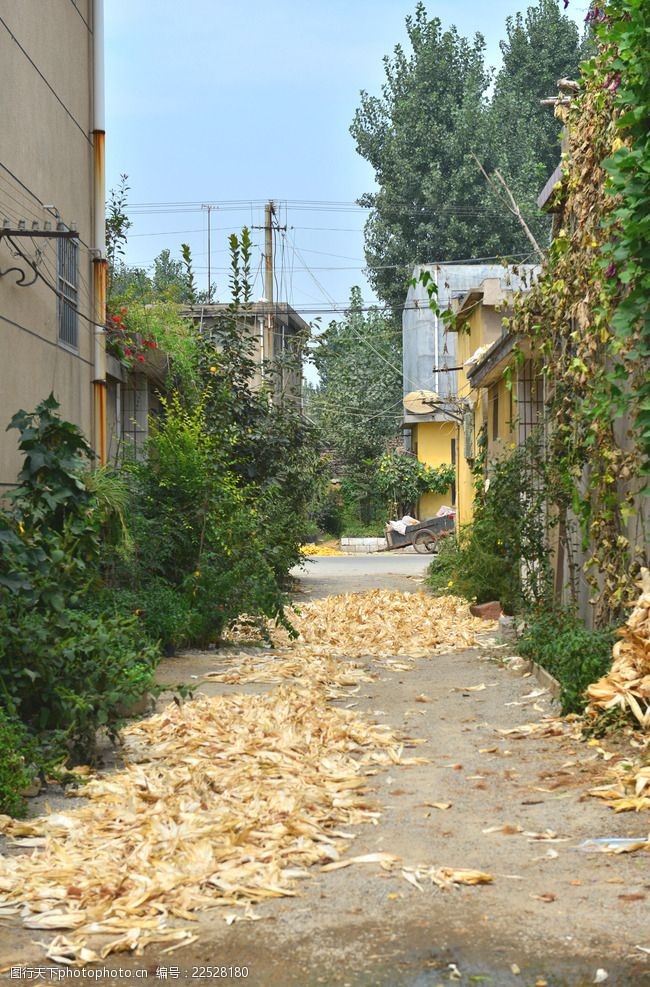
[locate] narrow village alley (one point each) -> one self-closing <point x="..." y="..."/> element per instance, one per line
<point x="324" y="459"/>
<point x="496" y="793"/>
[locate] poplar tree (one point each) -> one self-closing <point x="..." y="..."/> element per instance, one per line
<point x="434" y="113"/>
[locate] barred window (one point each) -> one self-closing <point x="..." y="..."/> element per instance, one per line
<point x="68" y="286"/>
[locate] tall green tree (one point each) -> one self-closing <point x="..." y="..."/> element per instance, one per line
<point x="541" y="46"/>
<point x="358" y="404"/>
<point x="434" y="113"/>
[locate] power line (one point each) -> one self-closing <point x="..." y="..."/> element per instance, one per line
<point x="28" y="208"/>
<point x="42" y="339"/>
<point x="74" y="4"/>
<point x="49" y="86"/>
<point x="313" y="205"/>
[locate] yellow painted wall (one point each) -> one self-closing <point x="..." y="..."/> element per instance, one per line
<point x="434" y="449"/>
<point x="481" y="328"/>
<point x="507" y="413"/>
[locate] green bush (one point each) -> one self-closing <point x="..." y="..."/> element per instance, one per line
<point x="201" y="542"/>
<point x="362" y="503"/>
<point x="357" y="529"/>
<point x="559" y="641"/>
<point x="402" y="479"/>
<point x="503" y="555"/>
<point x="442" y="572"/>
<point x="165" y="612"/>
<point x="327" y="513"/>
<point x="15" y="776"/>
<point x="66" y="674"/>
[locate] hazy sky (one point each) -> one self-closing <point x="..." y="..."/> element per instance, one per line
<point x="217" y="101"/>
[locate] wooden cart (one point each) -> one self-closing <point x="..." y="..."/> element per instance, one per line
<point x="423" y="536"/>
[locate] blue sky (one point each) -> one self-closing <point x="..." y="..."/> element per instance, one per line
<point x="217" y="101"/>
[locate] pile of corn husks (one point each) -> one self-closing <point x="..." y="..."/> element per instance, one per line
<point x="376" y="624"/>
<point x="224" y="801"/>
<point x="380" y="623"/>
<point x="627" y="684"/>
<point x="312" y="549"/>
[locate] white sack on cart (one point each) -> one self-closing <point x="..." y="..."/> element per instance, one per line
<point x="401" y="526"/>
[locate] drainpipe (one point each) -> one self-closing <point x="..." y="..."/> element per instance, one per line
<point x="100" y="264"/>
<point x="436" y="346"/>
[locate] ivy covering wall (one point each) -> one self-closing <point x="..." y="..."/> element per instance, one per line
<point x="588" y="314"/>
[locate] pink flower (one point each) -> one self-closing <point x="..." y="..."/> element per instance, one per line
<point x="140" y="358"/>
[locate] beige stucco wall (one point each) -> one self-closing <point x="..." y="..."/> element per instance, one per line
<point x="51" y="154"/>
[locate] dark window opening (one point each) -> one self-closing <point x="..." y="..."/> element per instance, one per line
<point x="453" y="463"/>
<point x="68" y="287"/>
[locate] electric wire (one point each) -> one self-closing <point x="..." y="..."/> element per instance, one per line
<point x="74" y="4"/>
<point x="368" y="344"/>
<point x="42" y="339"/>
<point x="28" y="208"/>
<point x="47" y="83"/>
<point x="315" y="205"/>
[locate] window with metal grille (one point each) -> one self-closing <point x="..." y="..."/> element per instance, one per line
<point x="530" y="399"/>
<point x="68" y="286"/>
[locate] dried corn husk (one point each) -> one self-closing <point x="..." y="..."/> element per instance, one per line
<point x="222" y="801"/>
<point x="378" y="623"/>
<point x="445" y="877"/>
<point x="627" y="684"/>
<point x="629" y="789"/>
<point x="312" y="549"/>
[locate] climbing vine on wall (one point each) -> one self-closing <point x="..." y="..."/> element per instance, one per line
<point x="588" y="312"/>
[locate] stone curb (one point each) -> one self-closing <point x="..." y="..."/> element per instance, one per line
<point x="355" y="546"/>
<point x="543" y="677"/>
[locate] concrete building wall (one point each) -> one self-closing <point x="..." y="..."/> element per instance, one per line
<point x="427" y="346"/>
<point x="46" y="159"/>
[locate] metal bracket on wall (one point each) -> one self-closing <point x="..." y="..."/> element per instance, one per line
<point x="22" y="231"/>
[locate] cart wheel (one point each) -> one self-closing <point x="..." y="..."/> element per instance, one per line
<point x="424" y="541"/>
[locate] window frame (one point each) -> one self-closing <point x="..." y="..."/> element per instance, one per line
<point x="67" y="283"/>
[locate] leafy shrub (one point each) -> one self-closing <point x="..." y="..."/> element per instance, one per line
<point x="65" y="672"/>
<point x="402" y="479"/>
<point x="357" y="529"/>
<point x="165" y="612"/>
<point x="50" y="534"/>
<point x="15" y="776"/>
<point x="559" y="641"/>
<point x="200" y="542"/>
<point x="441" y="575"/>
<point x="363" y="504"/>
<point x="503" y="555"/>
<point x="310" y="533"/>
<point x="327" y="513"/>
<point x="69" y="673"/>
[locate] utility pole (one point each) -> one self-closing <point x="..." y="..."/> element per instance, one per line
<point x="269" y="214"/>
<point x="209" y="210"/>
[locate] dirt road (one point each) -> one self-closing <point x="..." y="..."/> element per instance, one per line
<point x="511" y="804"/>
